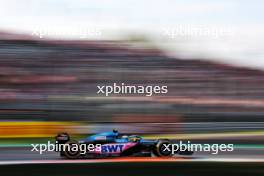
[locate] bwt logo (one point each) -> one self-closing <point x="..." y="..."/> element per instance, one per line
<point x="113" y="148"/>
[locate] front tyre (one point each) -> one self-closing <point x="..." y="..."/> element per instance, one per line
<point x="163" y="148"/>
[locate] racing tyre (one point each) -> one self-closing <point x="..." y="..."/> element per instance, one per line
<point x="163" y="148"/>
<point x="72" y="150"/>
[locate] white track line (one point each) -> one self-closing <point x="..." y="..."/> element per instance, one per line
<point x="125" y="160"/>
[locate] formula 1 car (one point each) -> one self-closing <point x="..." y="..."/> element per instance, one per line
<point x="111" y="144"/>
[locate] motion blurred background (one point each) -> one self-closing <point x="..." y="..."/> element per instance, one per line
<point x="53" y="54"/>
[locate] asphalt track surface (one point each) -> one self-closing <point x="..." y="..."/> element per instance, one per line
<point x="21" y="161"/>
<point x="24" y="154"/>
<point x="247" y="160"/>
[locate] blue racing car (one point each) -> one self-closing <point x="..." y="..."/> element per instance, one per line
<point x="110" y="144"/>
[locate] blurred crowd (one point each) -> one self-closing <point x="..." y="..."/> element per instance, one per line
<point x="51" y="80"/>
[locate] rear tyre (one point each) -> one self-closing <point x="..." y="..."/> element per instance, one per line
<point x="72" y="150"/>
